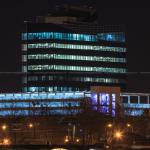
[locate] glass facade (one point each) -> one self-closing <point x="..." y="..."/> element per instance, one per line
<point x="41" y="103"/>
<point x="112" y="37"/>
<point x="51" y="89"/>
<point x="115" y="36"/>
<point x="76" y="68"/>
<point x="38" y="104"/>
<point x="72" y="46"/>
<point x="81" y="79"/>
<point x="38" y="96"/>
<point x="98" y="57"/>
<point x="41" y="96"/>
<point x="75" y="57"/>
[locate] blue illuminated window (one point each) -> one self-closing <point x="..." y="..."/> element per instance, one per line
<point x="113" y="101"/>
<point x="94" y="99"/>
<point x="134" y="112"/>
<point x="104" y="109"/>
<point x="115" y="36"/>
<point x="23" y="101"/>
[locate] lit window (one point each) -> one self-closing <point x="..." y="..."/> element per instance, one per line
<point x="76" y="57"/>
<point x="77" y="68"/>
<point x="76" y="47"/>
<point x="116" y="36"/>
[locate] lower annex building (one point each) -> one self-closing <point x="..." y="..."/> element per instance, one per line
<point x="102" y="99"/>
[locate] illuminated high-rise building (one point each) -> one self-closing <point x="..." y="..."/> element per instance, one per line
<point x="69" y="51"/>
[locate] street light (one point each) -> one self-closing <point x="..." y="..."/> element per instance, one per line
<point x="66" y="139"/>
<point x="108" y="133"/>
<point x="109" y="125"/>
<point x="73" y="132"/>
<point x="118" y="135"/>
<point x="30" y="125"/>
<point x="4" y="127"/>
<point x="128" y="125"/>
<point x="77" y="140"/>
<point x="6" y="141"/>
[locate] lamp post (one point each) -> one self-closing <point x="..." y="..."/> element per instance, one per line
<point x="113" y="136"/>
<point x="108" y="132"/>
<point x="116" y="136"/>
<point x="129" y="126"/>
<point x="16" y="128"/>
<point x="4" y="130"/>
<point x="73" y="128"/>
<point x="73" y="133"/>
<point x="32" y="126"/>
<point x="66" y="140"/>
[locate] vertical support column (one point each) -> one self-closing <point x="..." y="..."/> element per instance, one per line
<point x="148" y="103"/>
<point x="138" y="99"/>
<point x="110" y="103"/>
<point x="118" y="109"/>
<point x="98" y="102"/>
<point x="128" y="99"/>
<point x="117" y="106"/>
<point x="148" y="100"/>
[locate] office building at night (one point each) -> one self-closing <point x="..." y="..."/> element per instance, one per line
<point x="69" y="53"/>
<point x="69" y="61"/>
<point x="73" y="81"/>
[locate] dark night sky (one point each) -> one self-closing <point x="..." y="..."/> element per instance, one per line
<point x="135" y="16"/>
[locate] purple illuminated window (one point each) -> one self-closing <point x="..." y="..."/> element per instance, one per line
<point x="104" y="109"/>
<point x="105" y="103"/>
<point x="113" y="105"/>
<point x="94" y="101"/>
<point x="113" y="97"/>
<point x="94" y="107"/>
<point x="113" y="113"/>
<point x="104" y="99"/>
<point x="94" y="98"/>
